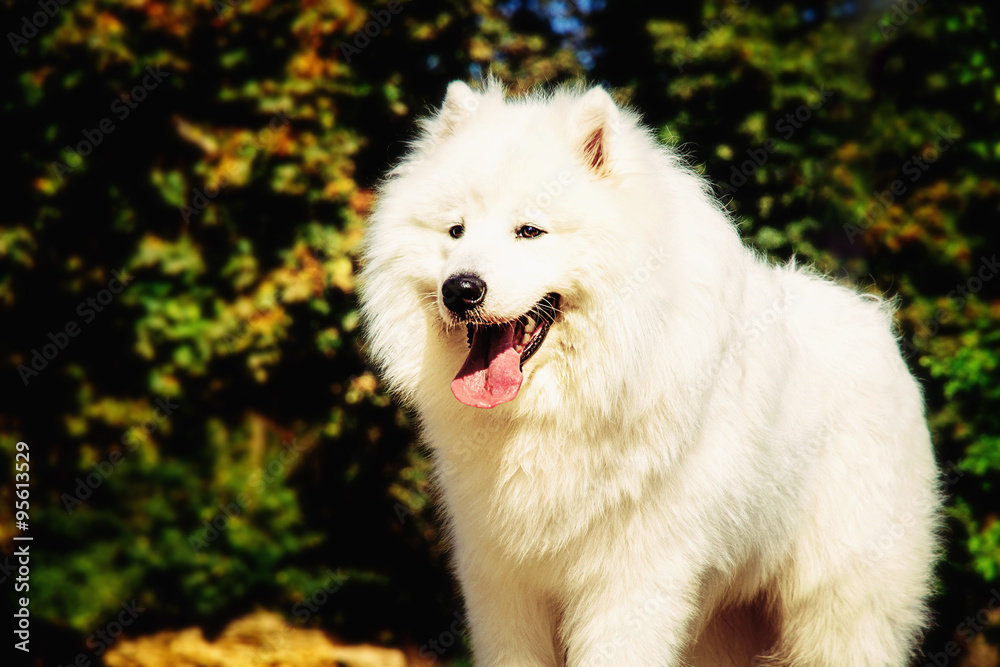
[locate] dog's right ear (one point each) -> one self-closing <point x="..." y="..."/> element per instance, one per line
<point x="459" y="103"/>
<point x="595" y="121"/>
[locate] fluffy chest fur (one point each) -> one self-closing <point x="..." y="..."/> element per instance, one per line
<point x="532" y="492"/>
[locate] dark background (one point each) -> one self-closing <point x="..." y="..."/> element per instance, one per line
<point x="230" y="193"/>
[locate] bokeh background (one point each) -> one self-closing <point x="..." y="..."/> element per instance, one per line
<point x="185" y="186"/>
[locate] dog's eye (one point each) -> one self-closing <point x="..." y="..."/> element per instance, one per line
<point x="528" y="232"/>
<point x="456" y="231"/>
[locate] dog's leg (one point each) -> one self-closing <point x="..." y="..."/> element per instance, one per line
<point x="861" y="624"/>
<point x="512" y="623"/>
<point x="621" y="622"/>
<point x="855" y="587"/>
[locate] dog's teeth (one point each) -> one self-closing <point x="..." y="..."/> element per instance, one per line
<point x="530" y="326"/>
<point x="525" y="338"/>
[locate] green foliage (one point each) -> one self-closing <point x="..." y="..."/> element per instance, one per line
<point x="231" y="194"/>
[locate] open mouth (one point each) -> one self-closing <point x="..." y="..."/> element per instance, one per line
<point x="491" y="374"/>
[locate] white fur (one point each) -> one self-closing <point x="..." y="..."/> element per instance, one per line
<point x="709" y="457"/>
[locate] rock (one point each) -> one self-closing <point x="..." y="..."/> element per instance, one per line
<point x="262" y="639"/>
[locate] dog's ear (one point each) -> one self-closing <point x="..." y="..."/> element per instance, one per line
<point x="595" y="122"/>
<point x="459" y="103"/>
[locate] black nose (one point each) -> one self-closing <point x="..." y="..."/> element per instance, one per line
<point x="463" y="292"/>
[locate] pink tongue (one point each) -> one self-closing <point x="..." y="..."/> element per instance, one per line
<point x="491" y="375"/>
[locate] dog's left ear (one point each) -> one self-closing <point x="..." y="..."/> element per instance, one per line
<point x="595" y="121"/>
<point x="459" y="103"/>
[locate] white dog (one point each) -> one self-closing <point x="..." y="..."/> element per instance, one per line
<point x="653" y="447"/>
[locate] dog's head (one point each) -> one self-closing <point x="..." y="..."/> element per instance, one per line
<point x="500" y="226"/>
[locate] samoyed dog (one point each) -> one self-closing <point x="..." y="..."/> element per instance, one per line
<point x="652" y="446"/>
